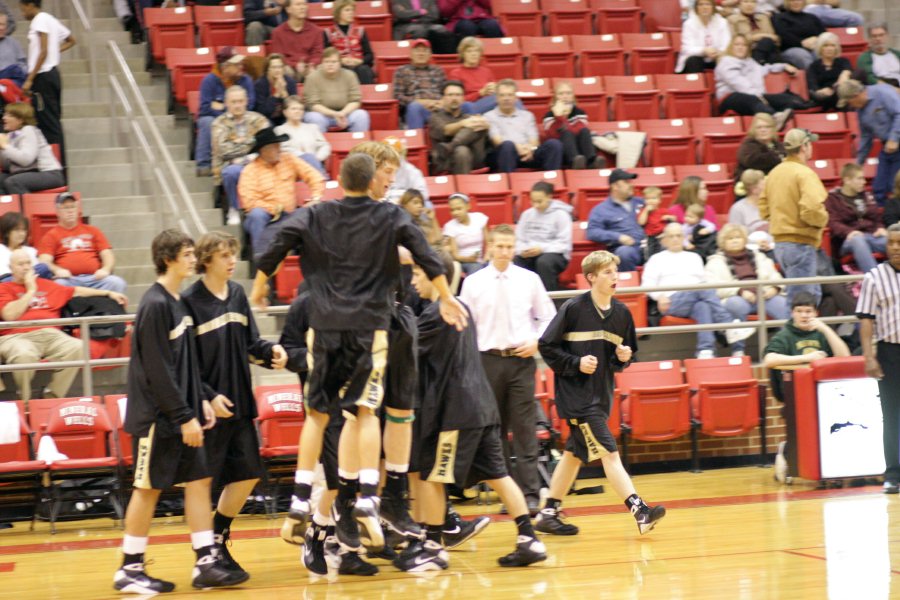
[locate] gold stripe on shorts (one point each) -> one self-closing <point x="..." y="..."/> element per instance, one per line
<point x="142" y="461"/>
<point x="310" y="361"/>
<point x="373" y="392"/>
<point x="595" y="449"/>
<point x="445" y="458"/>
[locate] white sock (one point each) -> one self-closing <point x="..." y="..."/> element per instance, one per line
<point x="347" y="474"/>
<point x="201" y="539"/>
<point x="303" y="477"/>
<point x="396" y="468"/>
<point x="321" y="520"/>
<point x="132" y="544"/>
<point x="368" y="476"/>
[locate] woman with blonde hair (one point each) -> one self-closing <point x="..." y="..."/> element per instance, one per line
<point x="745" y="212"/>
<point x="28" y="161"/>
<point x="704" y="36"/>
<point x="272" y="89"/>
<point x="761" y="149"/>
<point x="352" y="41"/>
<point x="827" y="71"/>
<point x="568" y="124"/>
<point x="479" y="81"/>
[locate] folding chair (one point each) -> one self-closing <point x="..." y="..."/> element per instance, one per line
<point x="661" y="15"/>
<point x="341" y="144"/>
<point x="536" y="95"/>
<point x="375" y="16"/>
<point x="187" y="68"/>
<point x="439" y="189"/>
<point x="835" y="140"/>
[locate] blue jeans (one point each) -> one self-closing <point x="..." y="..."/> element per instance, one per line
<point x="112" y="283"/>
<point x="834" y="17"/>
<point x="312" y="161"/>
<point x="416" y="116"/>
<point x="798" y="260"/>
<point x="776" y="308"/>
<point x="230" y="177"/>
<point x="629" y="256"/>
<point x="358" y="120"/>
<point x="704" y="307"/>
<point x="799" y="57"/>
<point x="255" y="222"/>
<point x="203" y="148"/>
<point x="548" y="157"/>
<point x="862" y="247"/>
<point x="883" y="184"/>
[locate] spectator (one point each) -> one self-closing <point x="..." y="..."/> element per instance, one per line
<point x="465" y="233"/>
<point x="614" y="223"/>
<point x="892" y="206"/>
<point x="13" y="235"/>
<point x="272" y="88"/>
<point x="11" y="18"/>
<point x="125" y="14"/>
<point x="674" y="267"/>
<point x="304" y="139"/>
<point x="26" y="298"/>
<point x="266" y="185"/>
<point x="352" y="42"/>
<point x="653" y="218"/>
<point x="261" y="17"/>
<point x="76" y="253"/>
<point x="704" y="37"/>
<point x="407" y="177"/>
<point x="510" y="309"/>
<point x="418" y="85"/>
<point x="515" y="136"/>
<point x="799" y="32"/>
<point x="13" y="65"/>
<point x="854" y="219"/>
<point x="831" y="16"/>
<point x="692" y="190"/>
<point x="793" y="201"/>
<point x="735" y="262"/>
<point x="413" y="202"/>
<point x="568" y="123"/>
<point x="298" y="40"/>
<point x="470" y="17"/>
<point x="478" y="80"/>
<point x="757" y="28"/>
<point x="699" y="233"/>
<point x="761" y="149"/>
<point x="745" y="212"/>
<point x="232" y="137"/>
<point x="827" y="71"/>
<point x="880" y="62"/>
<point x="228" y="72"/>
<point x="28" y="161"/>
<point x="544" y="236"/>
<point x="47" y="40"/>
<point x="421" y="19"/>
<point x="741" y="85"/>
<point x="332" y="96"/>
<point x="458" y="140"/>
<point x="879" y="117"/>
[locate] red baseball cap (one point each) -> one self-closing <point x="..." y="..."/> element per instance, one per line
<point x="421" y="42"/>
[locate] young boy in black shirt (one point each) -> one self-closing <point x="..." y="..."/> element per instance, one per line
<point x="590" y="338"/>
<point x="167" y="413"/>
<point x="226" y="336"/>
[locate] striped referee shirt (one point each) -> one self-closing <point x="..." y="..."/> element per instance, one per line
<point x="879" y="299"/>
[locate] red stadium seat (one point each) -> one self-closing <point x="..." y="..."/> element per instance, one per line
<point x="649" y="53"/>
<point x="187" y="68"/>
<point x="10" y="203"/>
<point x="383" y="107"/>
<point x="40" y="210"/>
<point x="280" y="421"/>
<point x="389" y="56"/>
<point x="375" y="16"/>
<point x="591" y="187"/>
<point x="115" y="406"/>
<point x="504" y="57"/>
<point x="288" y="279"/>
<point x="415" y="140"/>
<point x="341" y="144"/>
<point x="20" y="472"/>
<point x="662" y="15"/>
<point x="661" y="177"/>
<point x="853" y="124"/>
<point x="853" y="42"/>
<point x="718" y="181"/>
<point x="590" y="95"/>
<point x="568" y="17"/>
<point x="633" y="97"/>
<point x="536" y="95"/>
<point x="521" y="183"/>
<point x="684" y="96"/>
<point x="168" y="28"/>
<point x="439" y="189"/>
<point x="835" y="140"/>
<point x="220" y="25"/>
<point x="490" y="194"/>
<point x="719" y="137"/>
<point x="777" y="83"/>
<point x="333" y="191"/>
<point x="581" y="247"/>
<point x="827" y="172"/>
<point x="636" y="303"/>
<point x="725" y="395"/>
<point x="599" y="55"/>
<point x="617" y="16"/>
<point x="669" y="141"/>
<point x="519" y="17"/>
<point x="549" y="56"/>
<point x="321" y="13"/>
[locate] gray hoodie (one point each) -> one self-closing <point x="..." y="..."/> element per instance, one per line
<point x="551" y="230"/>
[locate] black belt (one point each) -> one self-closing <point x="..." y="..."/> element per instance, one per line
<point x="506" y="353"/>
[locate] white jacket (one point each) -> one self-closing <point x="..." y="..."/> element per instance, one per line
<point x="695" y="37"/>
<point x="718" y="271"/>
<point x="743" y="75"/>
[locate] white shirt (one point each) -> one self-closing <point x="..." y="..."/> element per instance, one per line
<point x="671" y="268"/>
<point x="469" y="238"/>
<point x="56" y="34"/>
<point x="886" y="65"/>
<point x="5" y="253"/>
<point x="528" y="312"/>
<point x="880" y="298"/>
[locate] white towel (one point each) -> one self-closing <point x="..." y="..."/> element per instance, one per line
<point x="123" y="406"/>
<point x="10" y="430"/>
<point x="47" y="451"/>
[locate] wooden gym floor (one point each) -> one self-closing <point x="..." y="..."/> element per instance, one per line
<point x="731" y="533"/>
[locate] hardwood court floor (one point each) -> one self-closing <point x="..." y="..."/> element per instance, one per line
<point x="730" y="533"/>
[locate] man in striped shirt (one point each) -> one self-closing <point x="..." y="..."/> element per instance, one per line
<point x="878" y="310"/>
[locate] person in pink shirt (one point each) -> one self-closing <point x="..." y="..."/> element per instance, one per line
<point x="470" y="17"/>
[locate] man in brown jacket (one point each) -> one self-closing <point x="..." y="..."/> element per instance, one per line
<point x="793" y="202"/>
<point x="757" y="26"/>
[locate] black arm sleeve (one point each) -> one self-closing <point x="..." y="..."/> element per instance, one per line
<point x="411" y="237"/>
<point x="368" y="56"/>
<point x="550" y="346"/>
<point x="293" y="336"/>
<point x="158" y="365"/>
<point x="289" y="237"/>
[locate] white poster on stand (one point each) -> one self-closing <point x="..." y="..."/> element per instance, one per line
<point x="850" y="428"/>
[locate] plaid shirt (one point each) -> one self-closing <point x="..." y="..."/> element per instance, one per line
<point x="271" y="187"/>
<point x="232" y="140"/>
<point x="411" y="83"/>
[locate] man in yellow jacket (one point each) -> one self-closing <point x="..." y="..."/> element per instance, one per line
<point x="793" y="202"/>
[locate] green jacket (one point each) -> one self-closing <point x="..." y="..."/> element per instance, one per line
<point x="864" y="63"/>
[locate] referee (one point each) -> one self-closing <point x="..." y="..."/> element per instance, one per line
<point x="879" y="312"/>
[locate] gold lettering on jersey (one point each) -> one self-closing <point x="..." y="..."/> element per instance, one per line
<point x="445" y="458"/>
<point x="590" y="336"/>
<point x="807" y="346"/>
<point x="142" y="461"/>
<point x="222" y="321"/>
<point x="181" y="328"/>
<point x="595" y="451"/>
<point x="373" y="392"/>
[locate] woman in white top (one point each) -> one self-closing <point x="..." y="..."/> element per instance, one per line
<point x="13" y="234"/>
<point x="466" y="233"/>
<point x="704" y="36"/>
<point x="28" y="161"/>
<point x="307" y="140"/>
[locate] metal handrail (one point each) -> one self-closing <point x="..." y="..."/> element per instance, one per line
<point x="85" y="39"/>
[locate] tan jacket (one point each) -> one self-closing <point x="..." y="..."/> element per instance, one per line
<point x="793" y="202"/>
<point x="718" y="271"/>
<point x="741" y="24"/>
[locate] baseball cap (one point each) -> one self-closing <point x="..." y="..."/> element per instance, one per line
<point x="420" y="42"/>
<point x="795" y="138"/>
<point x="228" y="55"/>
<point x="66" y="196"/>
<point x="619" y="175"/>
<point x="847" y="90"/>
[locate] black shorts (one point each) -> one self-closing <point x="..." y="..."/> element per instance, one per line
<point x="329" y="456"/>
<point x="464" y="456"/>
<point x="346" y="367"/>
<point x="401" y="382"/>
<point x="590" y="438"/>
<point x="232" y="451"/>
<point x="161" y="461"/>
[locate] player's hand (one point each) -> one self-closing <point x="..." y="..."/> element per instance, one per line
<point x="623" y="353"/>
<point x="259" y="296"/>
<point x="453" y="313"/>
<point x="192" y="433"/>
<point x="891" y="146"/>
<point x="873" y="368"/>
<point x="279" y="357"/>
<point x="526" y="350"/>
<point x="588" y="364"/>
<point x="220" y="405"/>
<point x="209" y="415"/>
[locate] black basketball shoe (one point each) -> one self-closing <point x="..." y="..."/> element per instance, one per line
<point x="133" y="579"/>
<point x="528" y="550"/>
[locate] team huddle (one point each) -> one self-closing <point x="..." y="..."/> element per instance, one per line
<point x="384" y="386"/>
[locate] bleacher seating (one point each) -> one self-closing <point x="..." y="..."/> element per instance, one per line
<point x="599" y="55"/>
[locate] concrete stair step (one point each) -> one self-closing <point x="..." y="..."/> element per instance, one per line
<point x="134" y="204"/>
<point x="97" y="109"/>
<point x="113" y="155"/>
<point x="82" y="65"/>
<point x="142" y="187"/>
<point x="85" y="95"/>
<point x="211" y="218"/>
<point x="83" y="80"/>
<point x="125" y="172"/>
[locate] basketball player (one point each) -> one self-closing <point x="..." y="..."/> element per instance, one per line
<point x="590" y="339"/>
<point x="167" y="414"/>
